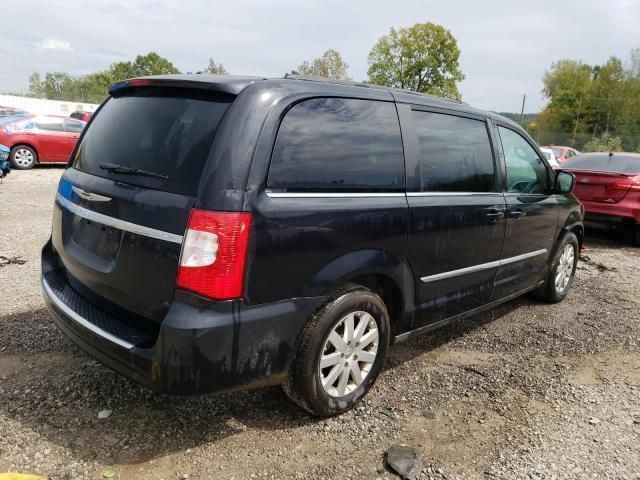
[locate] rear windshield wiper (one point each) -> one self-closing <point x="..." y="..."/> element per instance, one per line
<point x="114" y="168"/>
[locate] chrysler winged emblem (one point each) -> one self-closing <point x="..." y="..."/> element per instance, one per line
<point x="91" y="197"/>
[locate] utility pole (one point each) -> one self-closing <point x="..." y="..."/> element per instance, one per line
<point x="524" y="97"/>
<point x="575" y="127"/>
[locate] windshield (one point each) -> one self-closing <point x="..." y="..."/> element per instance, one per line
<point x="159" y="130"/>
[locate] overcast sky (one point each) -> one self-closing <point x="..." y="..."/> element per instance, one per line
<point x="505" y="45"/>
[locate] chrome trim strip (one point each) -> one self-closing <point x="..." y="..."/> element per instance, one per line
<point x="82" y="321"/>
<point x="482" y="266"/>
<point x="333" y="194"/>
<point x="452" y="194"/>
<point x="524" y="256"/>
<point x="117" y="223"/>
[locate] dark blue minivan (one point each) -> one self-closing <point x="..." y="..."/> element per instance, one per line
<point x="220" y="232"/>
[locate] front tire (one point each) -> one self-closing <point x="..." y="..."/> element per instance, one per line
<point x="562" y="273"/>
<point x="23" y="157"/>
<point x="340" y="354"/>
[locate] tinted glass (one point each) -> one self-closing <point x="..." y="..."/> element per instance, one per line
<point x="557" y="152"/>
<point x="526" y="172"/>
<point x="51" y="125"/>
<point x="75" y="127"/>
<point x="335" y="144"/>
<point x="604" y="163"/>
<point x="455" y="154"/>
<point x="165" y="131"/>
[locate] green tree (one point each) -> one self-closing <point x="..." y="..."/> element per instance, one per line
<point x="606" y="100"/>
<point x="93" y="87"/>
<point x="329" y="65"/>
<point x="216" y="69"/>
<point x="423" y="58"/>
<point x="603" y="143"/>
<point x="144" y="65"/>
<point x="566" y="84"/>
<point x="36" y="85"/>
<point x="59" y="86"/>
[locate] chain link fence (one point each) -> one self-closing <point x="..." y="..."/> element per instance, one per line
<point x="581" y="140"/>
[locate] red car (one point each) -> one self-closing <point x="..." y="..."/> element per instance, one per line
<point x="80" y="115"/>
<point x="563" y="154"/>
<point x="608" y="185"/>
<point x="40" y="139"/>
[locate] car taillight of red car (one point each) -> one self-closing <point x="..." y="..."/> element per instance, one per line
<point x="631" y="184"/>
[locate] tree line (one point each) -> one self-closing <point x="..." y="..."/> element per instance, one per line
<point x="423" y="58"/>
<point x="591" y="107"/>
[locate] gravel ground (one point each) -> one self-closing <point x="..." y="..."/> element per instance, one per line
<point x="526" y="390"/>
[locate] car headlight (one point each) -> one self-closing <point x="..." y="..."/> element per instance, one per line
<point x="3" y="156"/>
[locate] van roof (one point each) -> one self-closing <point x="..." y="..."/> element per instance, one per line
<point x="234" y="84"/>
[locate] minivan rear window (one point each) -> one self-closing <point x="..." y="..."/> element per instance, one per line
<point x="166" y="131"/>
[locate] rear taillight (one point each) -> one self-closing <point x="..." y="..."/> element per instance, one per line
<point x="628" y="184"/>
<point x="214" y="254"/>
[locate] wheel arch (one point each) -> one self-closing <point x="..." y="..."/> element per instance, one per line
<point x="26" y="144"/>
<point x="573" y="224"/>
<point x="381" y="271"/>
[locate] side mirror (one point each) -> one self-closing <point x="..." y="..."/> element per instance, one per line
<point x="565" y="182"/>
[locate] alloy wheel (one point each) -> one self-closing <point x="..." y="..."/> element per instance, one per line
<point x="565" y="268"/>
<point x="23" y="157"/>
<point x="348" y="354"/>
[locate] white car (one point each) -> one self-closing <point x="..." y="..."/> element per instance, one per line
<point x="551" y="158"/>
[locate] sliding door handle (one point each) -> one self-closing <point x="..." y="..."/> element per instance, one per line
<point x="494" y="213"/>
<point x="517" y="213"/>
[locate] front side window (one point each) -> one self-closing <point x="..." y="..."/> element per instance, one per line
<point x="526" y="172"/>
<point x="338" y="144"/>
<point x="455" y="153"/>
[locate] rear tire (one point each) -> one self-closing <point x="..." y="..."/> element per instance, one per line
<point x="23" y="157"/>
<point x="562" y="273"/>
<point x="340" y="354"/>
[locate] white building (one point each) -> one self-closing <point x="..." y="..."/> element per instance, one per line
<point x="39" y="106"/>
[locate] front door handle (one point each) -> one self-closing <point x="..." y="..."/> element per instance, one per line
<point x="517" y="213"/>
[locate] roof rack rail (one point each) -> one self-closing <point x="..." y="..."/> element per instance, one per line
<point x="317" y="78"/>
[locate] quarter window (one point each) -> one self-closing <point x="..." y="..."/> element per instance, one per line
<point x="337" y="144"/>
<point x="455" y="153"/>
<point x="526" y="172"/>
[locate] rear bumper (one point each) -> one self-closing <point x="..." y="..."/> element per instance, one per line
<point x="626" y="211"/>
<point x="201" y="346"/>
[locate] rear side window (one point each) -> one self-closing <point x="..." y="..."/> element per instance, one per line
<point x="455" y="153"/>
<point x="337" y="144"/>
<point x="604" y="163"/>
<point x="161" y="130"/>
<point x="73" y="126"/>
<point x="49" y="125"/>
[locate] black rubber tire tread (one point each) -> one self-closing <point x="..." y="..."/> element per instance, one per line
<point x="547" y="292"/>
<point x="18" y="167"/>
<point x="300" y="381"/>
